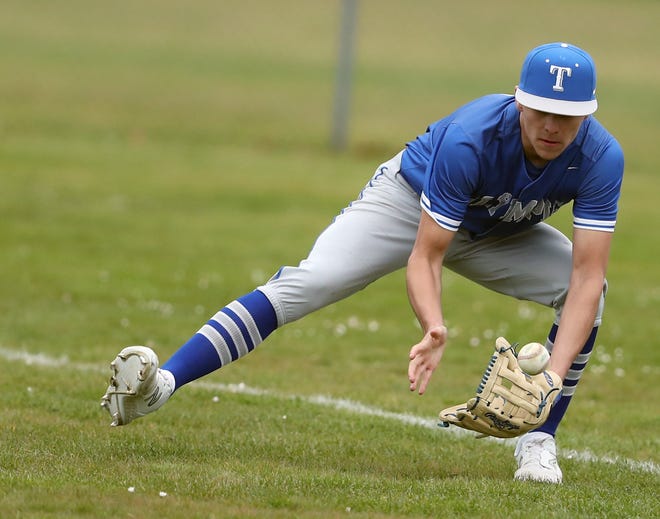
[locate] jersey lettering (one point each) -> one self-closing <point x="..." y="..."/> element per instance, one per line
<point x="515" y="211"/>
<point x="492" y="203"/>
<point x="518" y="213"/>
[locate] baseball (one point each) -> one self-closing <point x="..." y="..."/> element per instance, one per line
<point x="533" y="358"/>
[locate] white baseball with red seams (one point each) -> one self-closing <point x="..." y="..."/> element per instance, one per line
<point x="533" y="358"/>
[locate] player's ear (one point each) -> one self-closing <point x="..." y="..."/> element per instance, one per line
<point x="518" y="105"/>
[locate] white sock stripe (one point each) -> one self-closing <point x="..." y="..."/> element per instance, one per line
<point x="234" y="331"/>
<point x="248" y="321"/>
<point x="574" y="374"/>
<point x="568" y="391"/>
<point x="582" y="358"/>
<point x="218" y="343"/>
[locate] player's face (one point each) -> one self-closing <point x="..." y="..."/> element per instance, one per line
<point x="545" y="136"/>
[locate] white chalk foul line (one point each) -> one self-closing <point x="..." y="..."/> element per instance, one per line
<point x="40" y="359"/>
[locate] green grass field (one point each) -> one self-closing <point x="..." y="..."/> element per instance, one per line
<point x="158" y="159"/>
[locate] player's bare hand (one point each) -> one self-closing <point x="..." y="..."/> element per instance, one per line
<point x="425" y="357"/>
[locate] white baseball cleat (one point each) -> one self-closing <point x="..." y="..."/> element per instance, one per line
<point x="137" y="386"/>
<point x="536" y="454"/>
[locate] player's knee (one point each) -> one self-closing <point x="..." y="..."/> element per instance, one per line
<point x="301" y="290"/>
<point x="558" y="303"/>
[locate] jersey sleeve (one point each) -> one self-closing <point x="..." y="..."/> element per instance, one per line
<point x="596" y="204"/>
<point x="450" y="179"/>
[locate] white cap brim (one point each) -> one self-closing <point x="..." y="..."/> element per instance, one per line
<point x="554" y="106"/>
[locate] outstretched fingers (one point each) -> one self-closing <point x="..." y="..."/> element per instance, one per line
<point x="424" y="358"/>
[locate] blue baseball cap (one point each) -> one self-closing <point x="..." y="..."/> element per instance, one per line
<point x="558" y="78"/>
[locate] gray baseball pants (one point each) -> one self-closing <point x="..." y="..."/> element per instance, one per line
<point x="375" y="234"/>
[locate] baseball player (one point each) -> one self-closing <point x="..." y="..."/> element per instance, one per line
<point x="470" y="195"/>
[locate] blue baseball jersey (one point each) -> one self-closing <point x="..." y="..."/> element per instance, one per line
<point x="470" y="171"/>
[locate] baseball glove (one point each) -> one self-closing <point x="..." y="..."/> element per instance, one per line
<point x="508" y="402"/>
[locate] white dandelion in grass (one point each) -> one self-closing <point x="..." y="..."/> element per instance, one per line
<point x="526" y="312"/>
<point x="354" y="322"/>
<point x="340" y="329"/>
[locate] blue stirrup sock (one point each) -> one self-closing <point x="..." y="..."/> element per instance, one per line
<point x="570" y="382"/>
<point x="229" y="335"/>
